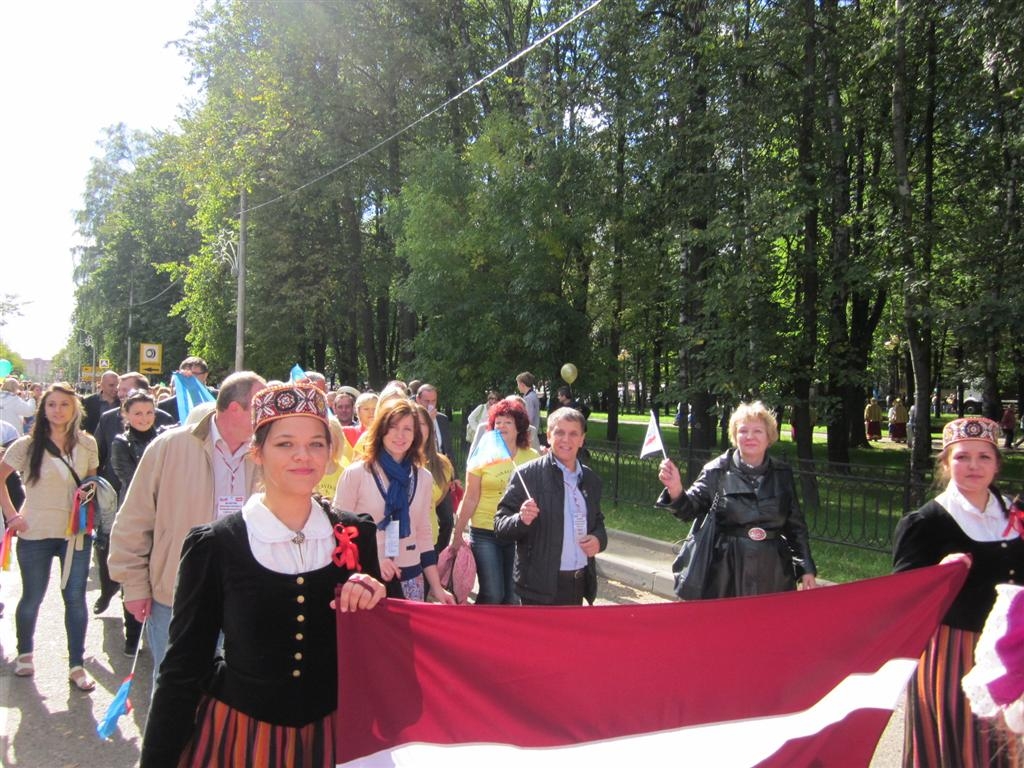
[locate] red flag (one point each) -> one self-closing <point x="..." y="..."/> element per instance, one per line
<point x="789" y="679"/>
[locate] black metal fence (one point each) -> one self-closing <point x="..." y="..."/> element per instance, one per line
<point x="854" y="505"/>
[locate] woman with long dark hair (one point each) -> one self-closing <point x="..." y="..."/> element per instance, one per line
<point x="391" y="485"/>
<point x="443" y="473"/>
<point x="52" y="459"/>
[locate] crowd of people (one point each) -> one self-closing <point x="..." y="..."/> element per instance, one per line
<point x="276" y="503"/>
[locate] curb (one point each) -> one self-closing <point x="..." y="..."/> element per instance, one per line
<point x="652" y="573"/>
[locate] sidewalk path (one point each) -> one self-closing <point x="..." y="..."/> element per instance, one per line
<point x="45" y="722"/>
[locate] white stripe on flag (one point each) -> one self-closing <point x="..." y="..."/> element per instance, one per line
<point x="734" y="744"/>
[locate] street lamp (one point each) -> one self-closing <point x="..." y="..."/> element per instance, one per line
<point x="89" y="342"/>
<point x="234" y="254"/>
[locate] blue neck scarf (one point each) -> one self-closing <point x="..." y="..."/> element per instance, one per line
<point x="396" y="497"/>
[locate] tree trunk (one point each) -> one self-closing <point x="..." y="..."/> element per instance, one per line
<point x="807" y="277"/>
<point x="916" y="293"/>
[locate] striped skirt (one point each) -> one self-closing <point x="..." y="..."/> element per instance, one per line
<point x="226" y="737"/>
<point x="940" y="731"/>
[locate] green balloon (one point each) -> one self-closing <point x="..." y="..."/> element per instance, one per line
<point x="569" y="373"/>
<point x="5" y="368"/>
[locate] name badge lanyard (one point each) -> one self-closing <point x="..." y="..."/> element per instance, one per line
<point x="391" y="531"/>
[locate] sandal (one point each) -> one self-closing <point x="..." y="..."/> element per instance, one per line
<point x="23" y="666"/>
<point x="79" y="678"/>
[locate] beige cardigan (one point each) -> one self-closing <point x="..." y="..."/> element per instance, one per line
<point x="357" y="492"/>
<point x="172" y="492"/>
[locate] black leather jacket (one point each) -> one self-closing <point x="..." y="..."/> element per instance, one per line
<point x="125" y="453"/>
<point x="539" y="545"/>
<point x="747" y="561"/>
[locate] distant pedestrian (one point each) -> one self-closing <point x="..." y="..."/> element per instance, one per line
<point x="873" y="420"/>
<point x="101" y="401"/>
<point x="898" y="417"/>
<point x="525" y="382"/>
<point x="13" y="408"/>
<point x="52" y="460"/>
<point x="1007" y="423"/>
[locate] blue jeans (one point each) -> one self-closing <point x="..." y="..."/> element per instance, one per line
<point x="158" y="627"/>
<point x="35" y="560"/>
<point x="493" y="568"/>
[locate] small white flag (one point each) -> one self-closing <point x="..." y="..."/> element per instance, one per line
<point x="652" y="440"/>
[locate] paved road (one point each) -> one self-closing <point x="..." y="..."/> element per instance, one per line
<point x="45" y="723"/>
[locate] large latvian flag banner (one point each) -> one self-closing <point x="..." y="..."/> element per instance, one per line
<point x="796" y="679"/>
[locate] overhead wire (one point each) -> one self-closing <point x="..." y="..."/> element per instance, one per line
<point x="468" y="89"/>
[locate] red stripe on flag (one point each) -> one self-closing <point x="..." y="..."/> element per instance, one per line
<point x="542" y="677"/>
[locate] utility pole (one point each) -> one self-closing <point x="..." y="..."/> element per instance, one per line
<point x="128" y="341"/>
<point x="240" y="308"/>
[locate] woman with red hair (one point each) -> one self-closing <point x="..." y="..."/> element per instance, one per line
<point x="485" y="484"/>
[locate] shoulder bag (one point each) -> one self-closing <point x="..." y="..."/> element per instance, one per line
<point x="692" y="565"/>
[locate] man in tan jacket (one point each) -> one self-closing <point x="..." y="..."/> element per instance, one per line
<point x="187" y="477"/>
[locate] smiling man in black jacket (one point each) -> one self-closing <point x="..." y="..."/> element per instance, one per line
<point x="552" y="510"/>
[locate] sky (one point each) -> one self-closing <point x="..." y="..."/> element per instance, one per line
<point x="70" y="70"/>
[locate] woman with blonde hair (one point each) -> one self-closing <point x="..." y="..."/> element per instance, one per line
<point x="390" y="484"/>
<point x="760" y="528"/>
<point x="52" y="459"/>
<point x="443" y="473"/>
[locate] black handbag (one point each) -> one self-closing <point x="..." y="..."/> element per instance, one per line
<point x="692" y="565"/>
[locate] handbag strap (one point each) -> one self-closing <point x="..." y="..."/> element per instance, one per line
<point x="716" y="499"/>
<point x="53" y="450"/>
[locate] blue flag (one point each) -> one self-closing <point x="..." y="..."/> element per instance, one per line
<point x="297" y="373"/>
<point x="490" y="450"/>
<point x="119" y="706"/>
<point x="189" y="392"/>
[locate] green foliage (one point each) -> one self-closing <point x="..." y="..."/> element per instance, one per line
<point x="694" y="198"/>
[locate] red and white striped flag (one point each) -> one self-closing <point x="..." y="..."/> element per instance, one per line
<point x="793" y="679"/>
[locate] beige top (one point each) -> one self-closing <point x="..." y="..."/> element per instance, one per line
<point x="357" y="492"/>
<point x="47" y="506"/>
<point x="172" y="491"/>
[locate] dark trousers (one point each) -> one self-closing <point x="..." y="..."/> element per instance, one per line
<point x="568" y="591"/>
<point x="110" y="588"/>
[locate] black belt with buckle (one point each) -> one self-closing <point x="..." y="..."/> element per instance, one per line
<point x="573" y="575"/>
<point x="753" y="532"/>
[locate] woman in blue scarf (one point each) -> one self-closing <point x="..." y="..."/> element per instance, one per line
<point x="392" y="486"/>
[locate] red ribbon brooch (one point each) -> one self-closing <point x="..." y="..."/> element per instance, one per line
<point x="1016" y="517"/>
<point x="346" y="554"/>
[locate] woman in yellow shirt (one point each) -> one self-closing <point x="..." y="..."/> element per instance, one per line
<point x="484" y="488"/>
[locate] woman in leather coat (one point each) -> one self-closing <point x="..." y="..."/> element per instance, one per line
<point x="761" y="534"/>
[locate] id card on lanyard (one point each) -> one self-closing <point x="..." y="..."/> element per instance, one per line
<point x="391" y="540"/>
<point x="391" y="530"/>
